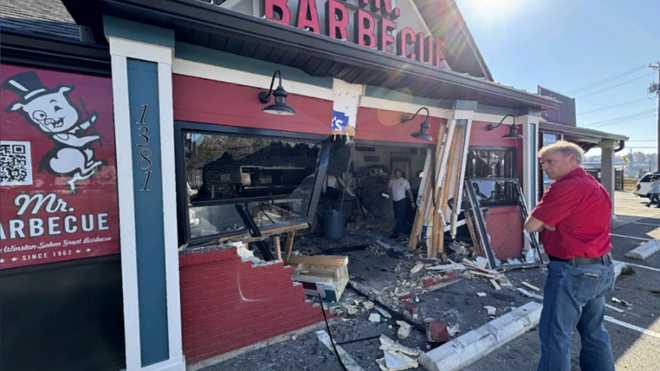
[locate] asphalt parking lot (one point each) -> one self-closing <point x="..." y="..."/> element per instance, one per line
<point x="632" y="349"/>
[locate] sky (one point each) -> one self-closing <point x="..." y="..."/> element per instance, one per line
<point x="596" y="51"/>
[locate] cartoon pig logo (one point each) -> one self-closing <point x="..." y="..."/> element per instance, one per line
<point x="54" y="114"/>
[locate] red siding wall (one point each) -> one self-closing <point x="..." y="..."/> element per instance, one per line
<point x="505" y="228"/>
<point x="482" y="137"/>
<point x="503" y="223"/>
<point x="215" y="102"/>
<point x="227" y="304"/>
<point x="383" y="125"/>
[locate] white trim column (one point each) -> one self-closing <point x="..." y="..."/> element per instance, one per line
<point x="123" y="51"/>
<point x="530" y="123"/>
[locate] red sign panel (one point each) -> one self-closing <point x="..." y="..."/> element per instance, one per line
<point x="374" y="26"/>
<point x="58" y="181"/>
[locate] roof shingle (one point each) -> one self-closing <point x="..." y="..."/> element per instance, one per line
<point x="38" y="17"/>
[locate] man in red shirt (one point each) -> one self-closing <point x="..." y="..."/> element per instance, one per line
<point x="573" y="218"/>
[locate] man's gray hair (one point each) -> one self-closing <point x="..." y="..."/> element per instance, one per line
<point x="566" y="149"/>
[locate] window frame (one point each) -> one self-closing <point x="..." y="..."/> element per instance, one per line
<point x="514" y="172"/>
<point x="543" y="178"/>
<point x="183" y="216"/>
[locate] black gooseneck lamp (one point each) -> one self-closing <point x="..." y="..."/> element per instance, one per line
<point x="424" y="127"/>
<point x="514" y="132"/>
<point x="279" y="107"/>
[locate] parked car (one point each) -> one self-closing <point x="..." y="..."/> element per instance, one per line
<point x="645" y="183"/>
<point x="654" y="194"/>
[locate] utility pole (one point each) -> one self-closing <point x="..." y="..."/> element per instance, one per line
<point x="655" y="88"/>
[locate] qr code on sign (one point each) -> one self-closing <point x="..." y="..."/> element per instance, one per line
<point x="15" y="163"/>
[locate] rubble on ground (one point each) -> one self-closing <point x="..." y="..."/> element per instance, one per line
<point x="426" y="295"/>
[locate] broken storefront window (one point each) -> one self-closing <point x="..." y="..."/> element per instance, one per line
<point x="273" y="178"/>
<point x="489" y="172"/>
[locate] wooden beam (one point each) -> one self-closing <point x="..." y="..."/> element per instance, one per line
<point x="289" y="244"/>
<point x="422" y="199"/>
<point x="473" y="234"/>
<point x="442" y="153"/>
<point x="459" y="180"/>
<point x="278" y="247"/>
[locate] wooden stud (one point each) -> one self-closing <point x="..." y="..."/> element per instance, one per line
<point x="473" y="234"/>
<point x="439" y="248"/>
<point x="422" y="198"/>
<point x="289" y="244"/>
<point x="429" y="231"/>
<point x="458" y="192"/>
<point x="278" y="248"/>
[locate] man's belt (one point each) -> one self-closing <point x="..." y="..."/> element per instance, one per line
<point x="605" y="259"/>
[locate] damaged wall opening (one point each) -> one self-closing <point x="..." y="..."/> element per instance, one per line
<point x="365" y="179"/>
<point x="272" y="176"/>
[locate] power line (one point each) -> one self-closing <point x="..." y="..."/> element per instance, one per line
<point x="652" y="111"/>
<point x="604" y="108"/>
<point x="619" y="122"/>
<point x="588" y="94"/>
<point x="606" y="79"/>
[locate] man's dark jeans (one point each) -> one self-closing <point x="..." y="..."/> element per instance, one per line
<point x="401" y="216"/>
<point x="575" y="296"/>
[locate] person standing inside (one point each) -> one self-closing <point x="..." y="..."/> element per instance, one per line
<point x="574" y="218"/>
<point x="399" y="189"/>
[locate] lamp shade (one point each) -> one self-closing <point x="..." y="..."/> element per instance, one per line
<point x="514" y="132"/>
<point x="279" y="106"/>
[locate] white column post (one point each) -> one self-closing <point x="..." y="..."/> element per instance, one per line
<point x="530" y="123"/>
<point x="530" y="174"/>
<point x="120" y="50"/>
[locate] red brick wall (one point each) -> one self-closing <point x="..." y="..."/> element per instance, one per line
<point x="228" y="304"/>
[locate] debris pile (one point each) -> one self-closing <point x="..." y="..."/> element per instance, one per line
<point x="396" y="357"/>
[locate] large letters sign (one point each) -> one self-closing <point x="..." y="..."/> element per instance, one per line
<point x="58" y="184"/>
<point x="373" y="26"/>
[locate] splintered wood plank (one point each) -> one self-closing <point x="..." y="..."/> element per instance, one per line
<point x="289" y="244"/>
<point x="473" y="234"/>
<point x="449" y="179"/>
<point x="278" y="247"/>
<point x="429" y="232"/>
<point x="440" y="247"/>
<point x="425" y="214"/>
<point x="457" y="192"/>
<point x="422" y="199"/>
<point x="441" y="164"/>
<point x="441" y="169"/>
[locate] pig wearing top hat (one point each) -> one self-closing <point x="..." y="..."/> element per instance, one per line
<point x="53" y="113"/>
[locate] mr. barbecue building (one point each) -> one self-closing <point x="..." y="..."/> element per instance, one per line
<point x="141" y="139"/>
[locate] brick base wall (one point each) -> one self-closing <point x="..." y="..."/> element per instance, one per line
<point x="227" y="304"/>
